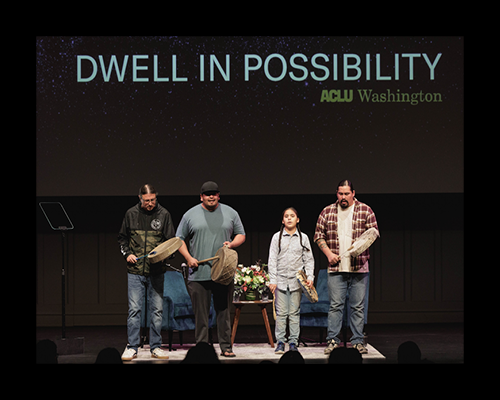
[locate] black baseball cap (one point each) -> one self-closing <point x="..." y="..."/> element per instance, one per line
<point x="209" y="187"/>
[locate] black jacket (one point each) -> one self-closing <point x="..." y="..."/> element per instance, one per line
<point x="140" y="233"/>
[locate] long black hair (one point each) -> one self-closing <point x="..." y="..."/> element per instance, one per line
<point x="283" y="227"/>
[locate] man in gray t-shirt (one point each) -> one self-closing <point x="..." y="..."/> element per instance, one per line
<point x="207" y="227"/>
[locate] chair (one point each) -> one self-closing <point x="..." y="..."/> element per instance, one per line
<point x="178" y="314"/>
<point x="316" y="314"/>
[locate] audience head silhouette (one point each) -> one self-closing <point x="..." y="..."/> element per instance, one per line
<point x="292" y="357"/>
<point x="109" y="355"/>
<point x="409" y="353"/>
<point x="345" y="355"/>
<point x="202" y="353"/>
<point x="46" y="352"/>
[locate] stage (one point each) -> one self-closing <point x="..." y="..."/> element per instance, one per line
<point x="439" y="343"/>
<point x="250" y="353"/>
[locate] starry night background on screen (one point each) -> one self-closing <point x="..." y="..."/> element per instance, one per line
<point x="258" y="115"/>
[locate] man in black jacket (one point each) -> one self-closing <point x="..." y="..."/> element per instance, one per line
<point x="144" y="227"/>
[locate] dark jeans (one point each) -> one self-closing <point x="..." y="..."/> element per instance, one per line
<point x="339" y="284"/>
<point x="200" y="293"/>
<point x="136" y="287"/>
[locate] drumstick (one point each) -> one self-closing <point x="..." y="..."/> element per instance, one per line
<point x="211" y="258"/>
<point x="344" y="253"/>
<point x="208" y="259"/>
<point x="150" y="254"/>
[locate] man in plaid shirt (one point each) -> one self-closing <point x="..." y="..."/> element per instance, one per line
<point x="338" y="226"/>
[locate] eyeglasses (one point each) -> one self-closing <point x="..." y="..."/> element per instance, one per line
<point x="211" y="193"/>
<point x="149" y="201"/>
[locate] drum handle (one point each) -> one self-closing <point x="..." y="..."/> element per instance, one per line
<point x="208" y="259"/>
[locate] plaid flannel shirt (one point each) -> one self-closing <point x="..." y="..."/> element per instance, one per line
<point x="363" y="218"/>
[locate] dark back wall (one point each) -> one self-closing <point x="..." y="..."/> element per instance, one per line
<point x="416" y="265"/>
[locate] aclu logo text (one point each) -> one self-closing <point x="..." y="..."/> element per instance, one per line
<point x="369" y="96"/>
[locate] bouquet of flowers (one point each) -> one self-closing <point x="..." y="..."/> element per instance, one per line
<point x="253" y="278"/>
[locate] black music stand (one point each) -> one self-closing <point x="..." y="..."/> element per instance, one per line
<point x="59" y="220"/>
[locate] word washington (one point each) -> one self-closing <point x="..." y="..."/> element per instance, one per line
<point x="367" y="95"/>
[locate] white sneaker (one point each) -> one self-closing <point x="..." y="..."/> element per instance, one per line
<point x="159" y="353"/>
<point x="129" y="354"/>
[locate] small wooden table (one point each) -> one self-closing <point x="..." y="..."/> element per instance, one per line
<point x="239" y="305"/>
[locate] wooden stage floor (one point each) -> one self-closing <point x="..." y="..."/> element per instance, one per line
<point x="251" y="353"/>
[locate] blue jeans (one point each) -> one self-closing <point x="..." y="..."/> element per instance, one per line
<point x="339" y="285"/>
<point x="288" y="305"/>
<point x="136" y="287"/>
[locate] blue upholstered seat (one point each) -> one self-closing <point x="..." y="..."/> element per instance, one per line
<point x="316" y="314"/>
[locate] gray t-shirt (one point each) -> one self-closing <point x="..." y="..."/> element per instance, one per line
<point x="207" y="231"/>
